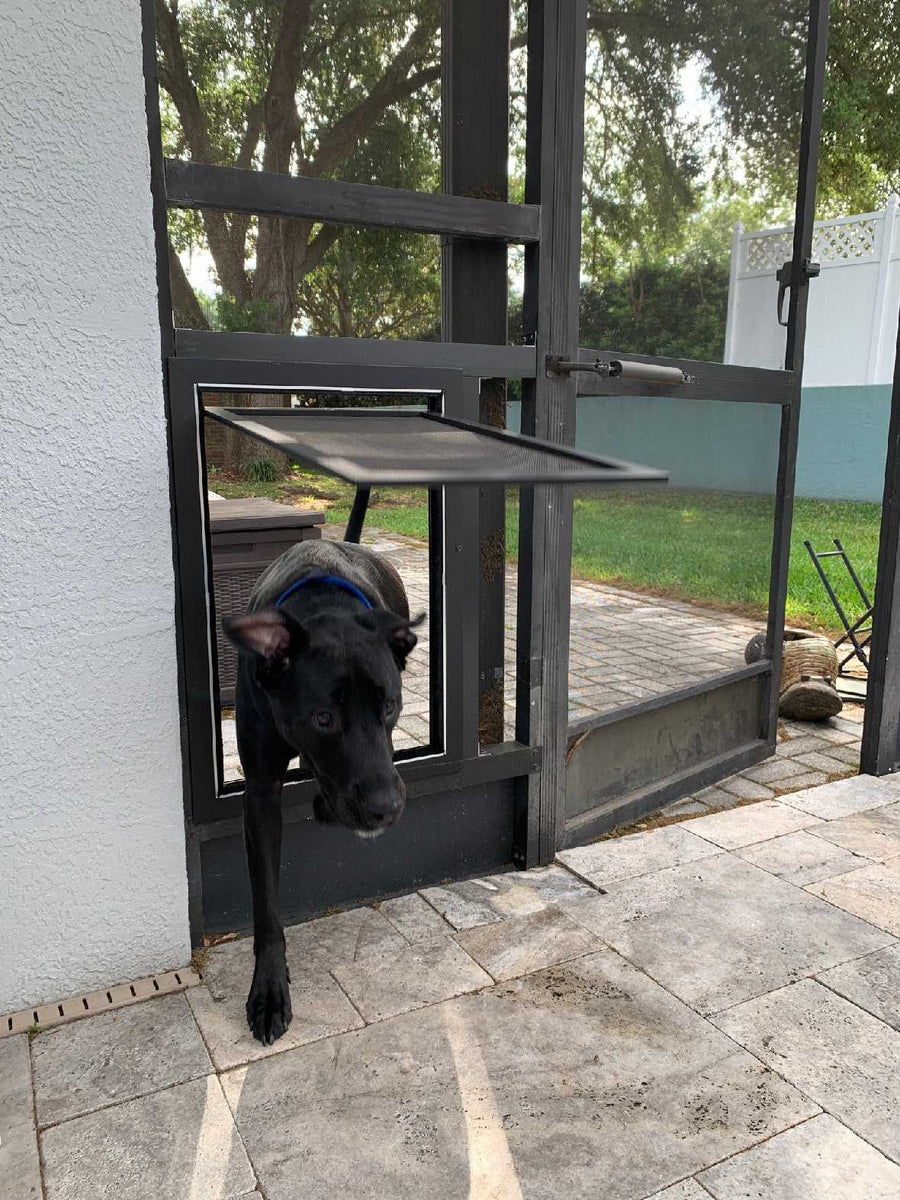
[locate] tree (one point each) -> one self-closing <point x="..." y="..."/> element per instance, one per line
<point x="653" y="159"/>
<point x="673" y="303"/>
<point x="375" y="284"/>
<point x="660" y="309"/>
<point x="861" y="123"/>
<point x="294" y="86"/>
<point x="348" y="88"/>
<point x="667" y="178"/>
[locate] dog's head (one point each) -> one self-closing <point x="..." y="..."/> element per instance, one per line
<point x="333" y="686"/>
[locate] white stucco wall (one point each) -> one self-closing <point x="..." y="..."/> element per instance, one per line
<point x="92" y="862"/>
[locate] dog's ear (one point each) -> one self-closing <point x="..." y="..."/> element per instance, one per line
<point x="268" y="634"/>
<point x="397" y="631"/>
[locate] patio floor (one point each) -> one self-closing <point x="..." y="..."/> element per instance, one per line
<point x="706" y="1009"/>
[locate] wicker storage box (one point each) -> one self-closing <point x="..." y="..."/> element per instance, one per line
<point x="246" y="535"/>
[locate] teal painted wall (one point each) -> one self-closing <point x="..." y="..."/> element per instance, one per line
<point x="843" y="441"/>
<point x="734" y="447"/>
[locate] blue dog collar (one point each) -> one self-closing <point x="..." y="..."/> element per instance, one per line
<point x="335" y="580"/>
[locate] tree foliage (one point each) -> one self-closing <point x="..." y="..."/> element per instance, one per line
<point x="375" y="283"/>
<point x="651" y="159"/>
<point x="861" y="123"/>
<point x="692" y="117"/>
<point x="693" y="122"/>
<point x="655" y="155"/>
<point x="660" y="309"/>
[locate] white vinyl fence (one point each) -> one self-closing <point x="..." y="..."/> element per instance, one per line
<point x="853" y="304"/>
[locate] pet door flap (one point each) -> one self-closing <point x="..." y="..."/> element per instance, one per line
<point x="390" y="447"/>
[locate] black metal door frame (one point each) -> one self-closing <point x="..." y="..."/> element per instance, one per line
<point x="486" y="810"/>
<point x="738" y="710"/>
<point x="468" y="791"/>
<point x="880" y="754"/>
<point x="471" y="809"/>
<point x="451" y="571"/>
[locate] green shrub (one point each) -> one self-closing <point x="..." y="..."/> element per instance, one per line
<point x="260" y="470"/>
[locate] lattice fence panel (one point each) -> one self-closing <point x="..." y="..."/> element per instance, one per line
<point x="842" y="243"/>
<point x="831" y="244"/>
<point x="769" y="252"/>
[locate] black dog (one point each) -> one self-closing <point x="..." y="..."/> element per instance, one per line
<point x="322" y="647"/>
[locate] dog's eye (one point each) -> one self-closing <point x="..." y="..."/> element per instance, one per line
<point x="389" y="708"/>
<point x="324" y="719"/>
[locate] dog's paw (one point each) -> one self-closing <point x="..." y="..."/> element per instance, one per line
<point x="269" y="1004"/>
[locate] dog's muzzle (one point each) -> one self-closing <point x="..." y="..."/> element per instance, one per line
<point x="368" y="818"/>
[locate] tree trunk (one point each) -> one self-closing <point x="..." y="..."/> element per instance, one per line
<point x="231" y="451"/>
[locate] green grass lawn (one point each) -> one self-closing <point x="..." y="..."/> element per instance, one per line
<point x="711" y="547"/>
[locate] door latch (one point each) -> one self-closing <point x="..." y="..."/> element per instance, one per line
<point x="808" y="270"/>
<point x="618" y="369"/>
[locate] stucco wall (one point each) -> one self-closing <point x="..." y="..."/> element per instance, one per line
<point x="734" y="447"/>
<point x="92" y="865"/>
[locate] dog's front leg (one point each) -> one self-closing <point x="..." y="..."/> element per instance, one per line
<point x="269" y="1002"/>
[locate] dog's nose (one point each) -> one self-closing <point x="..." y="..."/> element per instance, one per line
<point x="384" y="807"/>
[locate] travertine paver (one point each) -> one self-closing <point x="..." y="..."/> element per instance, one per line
<point x="520" y="945"/>
<point x="540" y="1087"/>
<point x="319" y="1007"/>
<point x="178" y="1142"/>
<point x="843" y="797"/>
<point x="874" y="834"/>
<point x="815" y="1160"/>
<point x="872" y="982"/>
<point x="687" y="1190"/>
<point x="714" y="798"/>
<point x="116" y="1056"/>
<point x="606" y="862"/>
<point x="843" y="1058"/>
<point x="341" y="938"/>
<point x="374" y="1113"/>
<point x="20" y="1170"/>
<point x="846" y="754"/>
<point x="804" y="741"/>
<point x="719" y="930"/>
<point x="465" y="904"/>
<point x="752" y="823"/>
<point x="800" y="858"/>
<point x="414" y="918"/>
<point x="474" y="902"/>
<point x="583" y="1078"/>
<point x="839" y="730"/>
<point x="829" y="764"/>
<point x="809" y="779"/>
<point x="746" y="789"/>
<point x="775" y="770"/>
<point x="871" y="892"/>
<point x="423" y="973"/>
<point x="689" y="807"/>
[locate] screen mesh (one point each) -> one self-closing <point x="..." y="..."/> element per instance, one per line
<point x="390" y="447"/>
